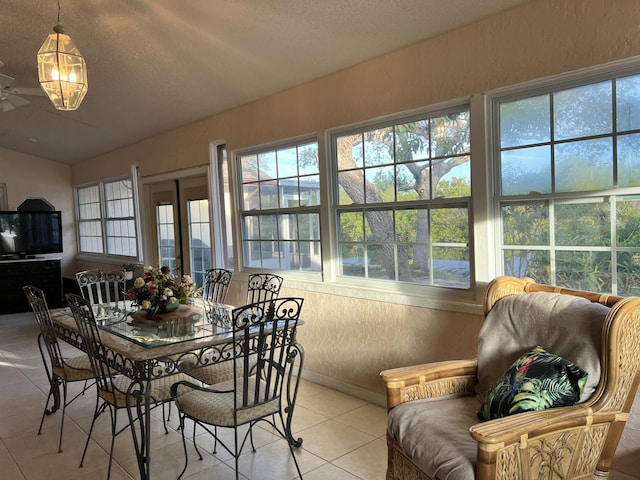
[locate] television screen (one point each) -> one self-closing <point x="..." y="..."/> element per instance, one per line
<point x="30" y="233"/>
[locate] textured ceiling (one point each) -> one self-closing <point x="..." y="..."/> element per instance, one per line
<point x="155" y="65"/>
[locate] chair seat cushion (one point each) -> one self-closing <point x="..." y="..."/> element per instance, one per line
<point x="434" y="434"/>
<point x="216" y="408"/>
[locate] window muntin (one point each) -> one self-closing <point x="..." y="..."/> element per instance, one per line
<point x="402" y="206"/>
<point x="564" y="157"/>
<point x="280" y="208"/>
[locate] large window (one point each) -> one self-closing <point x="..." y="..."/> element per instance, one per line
<point x="569" y="185"/>
<point x="402" y="202"/>
<point x="280" y="189"/>
<point x="106" y="218"/>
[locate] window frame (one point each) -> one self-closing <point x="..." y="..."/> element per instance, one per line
<point x="103" y="219"/>
<point x="241" y="213"/>
<point x="412" y="289"/>
<point x="549" y="86"/>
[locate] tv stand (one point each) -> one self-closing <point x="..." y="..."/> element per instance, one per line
<point x="44" y="273"/>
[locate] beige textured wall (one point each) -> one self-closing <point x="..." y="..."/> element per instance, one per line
<point x="26" y="177"/>
<point x="352" y="340"/>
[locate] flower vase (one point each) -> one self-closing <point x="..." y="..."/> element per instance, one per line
<point x="164" y="308"/>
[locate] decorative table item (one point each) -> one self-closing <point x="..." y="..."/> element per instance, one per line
<point x="158" y="291"/>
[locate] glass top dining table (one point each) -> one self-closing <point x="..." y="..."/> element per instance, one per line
<point x="145" y="349"/>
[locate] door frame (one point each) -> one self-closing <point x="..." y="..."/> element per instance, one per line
<point x="149" y="256"/>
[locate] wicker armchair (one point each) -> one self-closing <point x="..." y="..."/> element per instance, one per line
<point x="434" y="433"/>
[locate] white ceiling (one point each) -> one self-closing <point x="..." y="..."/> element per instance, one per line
<point x="155" y="65"/>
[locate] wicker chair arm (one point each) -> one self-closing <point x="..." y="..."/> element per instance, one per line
<point x="516" y="428"/>
<point x="429" y="380"/>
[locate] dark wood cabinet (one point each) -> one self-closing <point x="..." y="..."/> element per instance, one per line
<point x="44" y="273"/>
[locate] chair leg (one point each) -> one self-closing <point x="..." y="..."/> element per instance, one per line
<point x="114" y="416"/>
<point x="64" y="410"/>
<point x="293" y="455"/>
<point x="96" y="414"/>
<point x="184" y="443"/>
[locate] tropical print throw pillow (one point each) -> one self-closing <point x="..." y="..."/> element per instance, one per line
<point x="535" y="381"/>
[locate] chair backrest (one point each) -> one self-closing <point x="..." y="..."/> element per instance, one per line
<point x="216" y="284"/>
<point x="264" y="331"/>
<point x="521" y="314"/>
<point x="37" y="301"/>
<point x="263" y="286"/>
<point x="98" y="355"/>
<point x="105" y="290"/>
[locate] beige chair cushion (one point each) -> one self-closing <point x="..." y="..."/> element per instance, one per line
<point x="434" y="434"/>
<point x="217" y="408"/>
<point x="567" y="326"/>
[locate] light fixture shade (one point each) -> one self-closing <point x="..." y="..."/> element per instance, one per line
<point x="62" y="72"/>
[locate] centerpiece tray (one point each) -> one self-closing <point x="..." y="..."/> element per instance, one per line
<point x="183" y="311"/>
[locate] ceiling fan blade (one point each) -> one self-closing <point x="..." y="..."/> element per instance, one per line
<point x="5" y="81"/>
<point x="16" y="101"/>
<point x="28" y="91"/>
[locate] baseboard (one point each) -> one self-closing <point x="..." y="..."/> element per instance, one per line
<point x="358" y="392"/>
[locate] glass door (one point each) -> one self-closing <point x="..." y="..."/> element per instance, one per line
<point x="181" y="226"/>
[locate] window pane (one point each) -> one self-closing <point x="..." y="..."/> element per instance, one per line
<point x="628" y="222"/>
<point x="628" y="103"/>
<point x="629" y="160"/>
<point x="525" y="224"/>
<point x="585" y="165"/>
<point x="405" y="181"/>
<point x="377" y="264"/>
<point x="308" y="159"/>
<point x="528" y="263"/>
<point x="287" y="162"/>
<point x="628" y="267"/>
<point x="525" y="122"/>
<point x="350" y="152"/>
<point x="352" y="259"/>
<point x="450" y="225"/>
<point x="583" y="224"/>
<point x="450" y="134"/>
<point x="583" y="111"/>
<point x="383" y="181"/>
<point x="584" y="270"/>
<point x="249" y="168"/>
<point x="526" y="170"/>
<point x="412" y="141"/>
<point x="451" y="267"/>
<point x="378" y="147"/>
<point x="456" y="183"/>
<point x="267" y="166"/>
<point x="351" y="227"/>
<point x="269" y="195"/>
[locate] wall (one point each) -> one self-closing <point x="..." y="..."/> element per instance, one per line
<point x="349" y="341"/>
<point x="53" y="183"/>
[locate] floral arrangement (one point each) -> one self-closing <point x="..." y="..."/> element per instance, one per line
<point x="158" y="291"/>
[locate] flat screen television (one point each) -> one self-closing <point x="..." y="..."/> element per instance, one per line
<point x="24" y="234"/>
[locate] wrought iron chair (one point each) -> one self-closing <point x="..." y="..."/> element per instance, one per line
<point x="263" y="286"/>
<point x="260" y="287"/>
<point x="214" y="289"/>
<point x="264" y="330"/>
<point x="105" y="291"/>
<point x="111" y="388"/>
<point x="60" y="370"/>
<point x="433" y="429"/>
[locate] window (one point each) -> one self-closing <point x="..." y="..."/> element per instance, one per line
<point x="280" y="189"/>
<point x="106" y="218"/>
<point x="569" y="184"/>
<point x="89" y="215"/>
<point x="403" y="199"/>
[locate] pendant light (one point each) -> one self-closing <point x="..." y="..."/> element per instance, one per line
<point x="62" y="72"/>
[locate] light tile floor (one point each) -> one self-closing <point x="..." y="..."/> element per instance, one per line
<point x="343" y="436"/>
